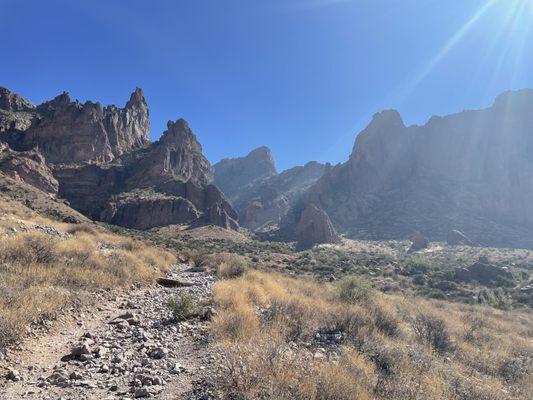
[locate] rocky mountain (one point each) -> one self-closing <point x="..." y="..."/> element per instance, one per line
<point x="261" y="196"/>
<point x="471" y="171"/>
<point x="234" y="175"/>
<point x="100" y="159"/>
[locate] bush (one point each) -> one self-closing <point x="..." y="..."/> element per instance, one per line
<point x="352" y="289"/>
<point x="228" y="265"/>
<point x="432" y="330"/>
<point x="183" y="306"/>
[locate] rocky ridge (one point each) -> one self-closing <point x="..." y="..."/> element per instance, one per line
<point x="264" y="198"/>
<point x="100" y="159"/>
<point x="470" y="171"/>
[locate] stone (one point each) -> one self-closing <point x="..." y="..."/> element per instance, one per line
<point x="231" y="175"/>
<point x="314" y="227"/>
<point x="29" y="167"/>
<point x="484" y="273"/>
<point x="433" y="178"/>
<point x="13" y="375"/>
<point x="141" y="392"/>
<point x="261" y="196"/>
<point x="101" y="161"/>
<point x="81" y="349"/>
<point x="419" y="242"/>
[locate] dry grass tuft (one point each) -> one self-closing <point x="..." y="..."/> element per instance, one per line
<point x="287" y="338"/>
<point x="43" y="272"/>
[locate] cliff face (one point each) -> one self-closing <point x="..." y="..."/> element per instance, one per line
<point x="234" y="175"/>
<point x="261" y="196"/>
<point x="28" y="167"/>
<point x="100" y="160"/>
<point x="471" y="171"/>
<point x="71" y="132"/>
<point x="16" y="113"/>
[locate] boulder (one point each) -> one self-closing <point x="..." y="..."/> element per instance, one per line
<point x="315" y="227"/>
<point x="457" y="238"/>
<point x="484" y="273"/>
<point x="419" y="242"/>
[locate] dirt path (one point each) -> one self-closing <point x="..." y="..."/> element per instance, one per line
<point x="128" y="348"/>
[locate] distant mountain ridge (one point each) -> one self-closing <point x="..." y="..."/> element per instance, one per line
<point x="261" y="196"/>
<point x="471" y="171"/>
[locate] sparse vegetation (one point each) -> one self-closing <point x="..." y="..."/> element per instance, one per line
<point x="287" y="338"/>
<point x="46" y="266"/>
<point x="183" y="306"/>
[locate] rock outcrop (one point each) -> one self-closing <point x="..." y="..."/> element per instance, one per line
<point x="314" y="227"/>
<point x="101" y="161"/>
<point x="28" y="167"/>
<point x="418" y="242"/>
<point x="67" y="131"/>
<point x="484" y="273"/>
<point x="471" y="171"/>
<point x="16" y="113"/>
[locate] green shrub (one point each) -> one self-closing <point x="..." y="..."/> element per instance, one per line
<point x="183" y="306"/>
<point x="352" y="289"/>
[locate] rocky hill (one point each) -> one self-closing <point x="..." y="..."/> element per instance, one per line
<point x="261" y="196"/>
<point x="101" y="160"/>
<point x="234" y="175"/>
<point x="471" y="171"/>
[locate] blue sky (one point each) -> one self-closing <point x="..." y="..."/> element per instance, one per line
<point x="300" y="76"/>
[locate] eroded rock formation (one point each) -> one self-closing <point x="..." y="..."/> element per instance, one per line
<point x="28" y="167"/>
<point x="234" y="175"/>
<point x="314" y="227"/>
<point x="100" y="160"/>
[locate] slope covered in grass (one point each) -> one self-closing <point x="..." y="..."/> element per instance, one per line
<point x="287" y="338"/>
<point x="46" y="266"/>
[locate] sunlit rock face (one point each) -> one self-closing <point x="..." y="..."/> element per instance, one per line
<point x="70" y="132"/>
<point x="471" y="171"/>
<point x="101" y="160"/>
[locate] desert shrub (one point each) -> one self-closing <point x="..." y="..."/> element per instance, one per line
<point x="517" y="368"/>
<point x="183" y="306"/>
<point x="352" y="289"/>
<point x="82" y="228"/>
<point x="27" y="248"/>
<point x="432" y="330"/>
<point x="235" y="324"/>
<point x="228" y="265"/>
<point x="385" y="321"/>
<point x="473" y="324"/>
<point x="419" y="279"/>
<point x="495" y="298"/>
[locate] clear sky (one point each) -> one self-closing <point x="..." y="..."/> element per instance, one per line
<point x="300" y="76"/>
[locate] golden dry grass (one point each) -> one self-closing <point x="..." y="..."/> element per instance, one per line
<point x="392" y="347"/>
<point x="43" y="270"/>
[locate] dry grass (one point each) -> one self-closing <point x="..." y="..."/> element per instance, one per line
<point x="43" y="270"/>
<point x="270" y="329"/>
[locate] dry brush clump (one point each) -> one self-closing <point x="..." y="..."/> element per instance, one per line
<point x="44" y="268"/>
<point x="287" y="338"/>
